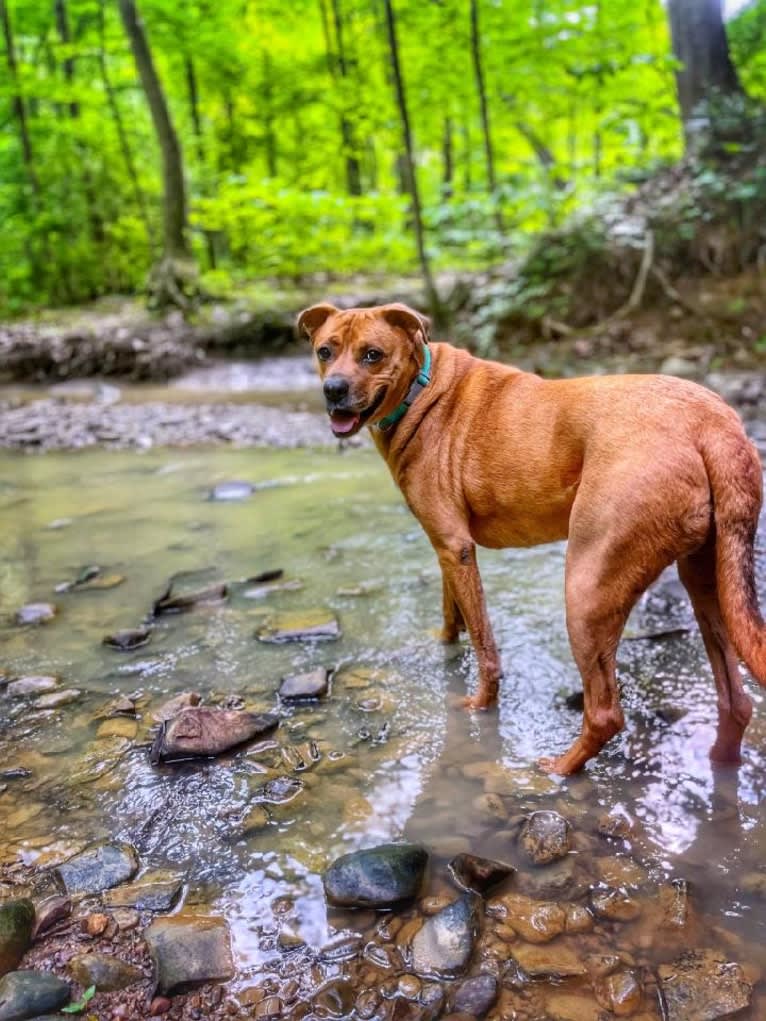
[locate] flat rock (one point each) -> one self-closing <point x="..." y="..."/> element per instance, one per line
<point x="189" y="951"/>
<point x="35" y="613"/>
<point x="553" y="961"/>
<point x="183" y="601"/>
<point x="128" y="639"/>
<point x="25" y="687"/>
<point x="614" y="903"/>
<point x="545" y="837"/>
<point x="154" y="891"/>
<point x="701" y="985"/>
<point x="312" y="626"/>
<point x="298" y="687"/>
<point x="17" y="920"/>
<point x="173" y="706"/>
<point x="205" y="732"/>
<point x="99" y="868"/>
<point x="27" y="994"/>
<point x="226" y="492"/>
<point x="479" y="875"/>
<point x="103" y="971"/>
<point x="377" y="876"/>
<point x="443" y="946"/>
<point x="56" y="699"/>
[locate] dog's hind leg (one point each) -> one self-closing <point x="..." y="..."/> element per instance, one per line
<point x="453" y="618"/>
<point x="735" y="707"/>
<point x="602" y="585"/>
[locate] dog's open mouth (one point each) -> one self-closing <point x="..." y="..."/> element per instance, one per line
<point x="345" y="422"/>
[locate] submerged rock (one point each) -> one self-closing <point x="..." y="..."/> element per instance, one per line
<point x="35" y="613"/>
<point x="376" y="877"/>
<point x="475" y="996"/>
<point x="189" y="951"/>
<point x="28" y="994"/>
<point x="55" y="699"/>
<point x="312" y="626"/>
<point x="552" y="961"/>
<point x="204" y="732"/>
<point x="25" y="687"/>
<point x="154" y="891"/>
<point x="442" y="948"/>
<point x="99" y="868"/>
<point x="614" y="904"/>
<point x="103" y="971"/>
<point x="17" y="919"/>
<point x="535" y="921"/>
<point x="621" y="993"/>
<point x="169" y="603"/>
<point x="545" y="837"/>
<point x="233" y="490"/>
<point x="128" y="639"/>
<point x="479" y="875"/>
<point x="313" y="684"/>
<point x="701" y="985"/>
<point x="278" y="791"/>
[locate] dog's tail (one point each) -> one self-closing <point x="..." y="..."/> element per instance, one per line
<point x="736" y="480"/>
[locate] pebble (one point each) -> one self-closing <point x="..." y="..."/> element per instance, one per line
<point x="545" y="837"/>
<point x="35" y="613"/>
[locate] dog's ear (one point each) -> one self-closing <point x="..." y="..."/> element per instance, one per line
<point x="407" y="319"/>
<point x="312" y="318"/>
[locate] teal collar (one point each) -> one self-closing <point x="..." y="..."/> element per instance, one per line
<point x="420" y="382"/>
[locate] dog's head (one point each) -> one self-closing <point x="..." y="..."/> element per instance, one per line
<point x="367" y="359"/>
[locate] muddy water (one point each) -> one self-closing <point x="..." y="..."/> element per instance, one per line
<point x="396" y="757"/>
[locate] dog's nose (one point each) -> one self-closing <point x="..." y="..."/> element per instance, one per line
<point x="335" y="388"/>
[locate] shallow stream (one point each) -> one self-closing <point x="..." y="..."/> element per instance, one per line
<point x="388" y="753"/>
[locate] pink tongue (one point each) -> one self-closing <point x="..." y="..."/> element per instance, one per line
<point x="343" y="423"/>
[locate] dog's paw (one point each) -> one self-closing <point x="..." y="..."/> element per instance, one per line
<point x="555" y="766"/>
<point x="477" y="702"/>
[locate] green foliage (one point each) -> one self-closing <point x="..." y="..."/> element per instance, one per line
<point x="271" y="114"/>
<point x="80" y="1005"/>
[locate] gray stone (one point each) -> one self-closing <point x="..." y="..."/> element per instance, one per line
<point x="189" y="951"/>
<point x="99" y="868"/>
<point x="303" y="686"/>
<point x="545" y="837"/>
<point x="128" y="639"/>
<point x="103" y="971"/>
<point x="561" y="879"/>
<point x="701" y="985"/>
<point x="154" y="891"/>
<point x="476" y="995"/>
<point x="17" y="919"/>
<point x="24" y="687"/>
<point x="442" y="948"/>
<point x="35" y="613"/>
<point x="27" y="994"/>
<point x="56" y="699"/>
<point x="226" y="492"/>
<point x="377" y="876"/>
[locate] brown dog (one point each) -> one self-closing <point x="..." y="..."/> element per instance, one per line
<point x="636" y="471"/>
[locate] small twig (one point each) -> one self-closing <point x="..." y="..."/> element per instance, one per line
<point x="673" y="294"/>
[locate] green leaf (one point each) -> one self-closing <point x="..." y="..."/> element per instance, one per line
<point x="79" y="1006"/>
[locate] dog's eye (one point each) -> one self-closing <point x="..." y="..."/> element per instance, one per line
<point x="324" y="353"/>
<point x="372" y="355"/>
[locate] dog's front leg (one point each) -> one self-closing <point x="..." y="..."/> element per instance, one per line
<point x="462" y="586"/>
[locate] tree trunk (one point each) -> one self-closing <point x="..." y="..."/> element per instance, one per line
<point x="700" y="45"/>
<point x="172" y="281"/>
<point x="193" y="93"/>
<point x="478" y="71"/>
<point x="409" y="161"/>
<point x="337" y="65"/>
<point x="268" y="117"/>
<point x="17" y="102"/>
<point x="127" y="154"/>
<point x="448" y="170"/>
